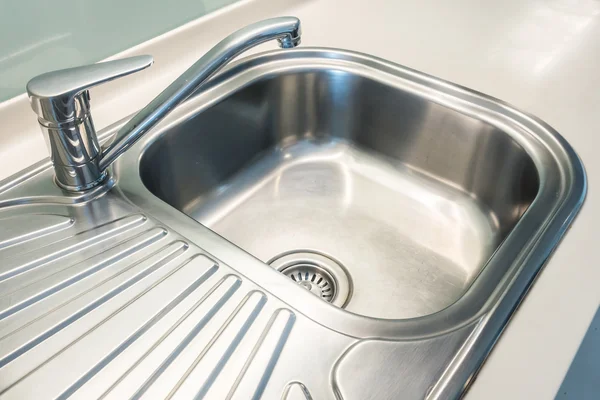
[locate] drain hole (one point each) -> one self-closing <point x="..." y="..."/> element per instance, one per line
<point x="316" y="273"/>
<point x="305" y="274"/>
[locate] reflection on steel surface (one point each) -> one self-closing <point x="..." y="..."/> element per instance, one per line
<point x="440" y="203"/>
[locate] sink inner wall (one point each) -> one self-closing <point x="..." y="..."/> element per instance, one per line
<point x="411" y="197"/>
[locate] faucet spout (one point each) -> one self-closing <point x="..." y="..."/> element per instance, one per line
<point x="285" y="29"/>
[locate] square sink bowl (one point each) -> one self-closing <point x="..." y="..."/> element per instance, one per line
<point x="406" y="196"/>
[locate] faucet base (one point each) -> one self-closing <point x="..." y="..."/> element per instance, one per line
<point x="81" y="188"/>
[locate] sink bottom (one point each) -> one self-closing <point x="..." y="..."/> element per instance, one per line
<point x="411" y="243"/>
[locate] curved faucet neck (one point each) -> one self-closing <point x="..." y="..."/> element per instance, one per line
<point x="285" y="29"/>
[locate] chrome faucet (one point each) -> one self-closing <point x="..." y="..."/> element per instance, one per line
<point x="62" y="102"/>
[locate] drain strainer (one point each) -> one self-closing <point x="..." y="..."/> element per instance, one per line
<point x="317" y="273"/>
<point x="313" y="279"/>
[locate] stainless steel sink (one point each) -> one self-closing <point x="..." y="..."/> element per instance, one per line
<point x="315" y="222"/>
<point x="410" y="196"/>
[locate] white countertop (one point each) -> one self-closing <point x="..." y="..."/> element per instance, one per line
<point x="542" y="56"/>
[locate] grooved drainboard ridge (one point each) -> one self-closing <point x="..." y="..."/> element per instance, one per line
<point x="127" y="308"/>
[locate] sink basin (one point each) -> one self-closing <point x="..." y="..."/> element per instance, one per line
<point x="410" y="197"/>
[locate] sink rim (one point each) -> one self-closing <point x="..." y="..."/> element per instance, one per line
<point x="539" y="229"/>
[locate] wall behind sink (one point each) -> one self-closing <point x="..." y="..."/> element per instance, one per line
<point x="37" y="36"/>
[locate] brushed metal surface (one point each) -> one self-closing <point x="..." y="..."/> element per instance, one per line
<point x="22" y="228"/>
<point x="296" y="391"/>
<point x="410" y="196"/>
<point x="123" y="307"/>
<point x="394" y="367"/>
<point x="411" y="244"/>
<point x="129" y="297"/>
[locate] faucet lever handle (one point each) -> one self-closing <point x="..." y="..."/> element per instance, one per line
<point x="54" y="95"/>
<point x="62" y="102"/>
